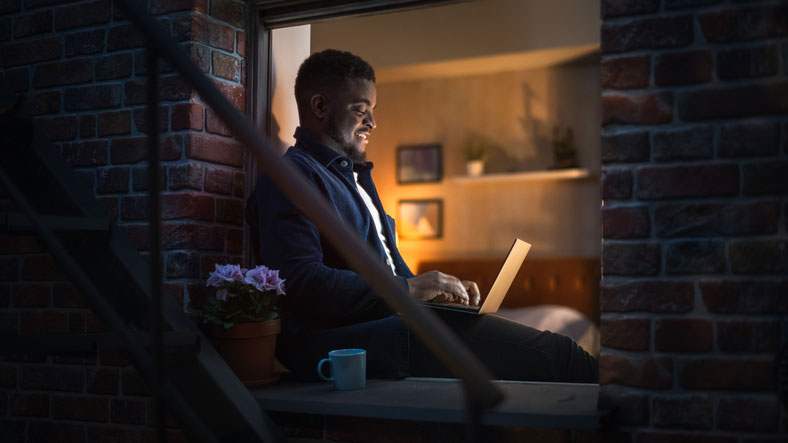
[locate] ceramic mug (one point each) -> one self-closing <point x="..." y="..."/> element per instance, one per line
<point x="348" y="368"/>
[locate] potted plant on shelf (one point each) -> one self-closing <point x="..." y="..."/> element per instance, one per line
<point x="475" y="148"/>
<point x="244" y="319"/>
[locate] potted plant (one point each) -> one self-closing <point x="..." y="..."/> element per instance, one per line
<point x="244" y="315"/>
<point x="475" y="148"/>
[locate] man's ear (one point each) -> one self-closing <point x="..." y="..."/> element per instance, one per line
<point x="319" y="106"/>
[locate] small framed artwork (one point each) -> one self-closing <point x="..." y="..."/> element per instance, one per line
<point x="420" y="219"/>
<point x="419" y="164"/>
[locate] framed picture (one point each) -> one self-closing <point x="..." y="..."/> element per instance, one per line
<point x="419" y="164"/>
<point x="420" y="219"/>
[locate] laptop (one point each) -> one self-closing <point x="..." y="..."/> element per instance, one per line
<point x="501" y="285"/>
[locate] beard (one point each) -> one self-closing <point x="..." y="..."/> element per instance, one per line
<point x="346" y="147"/>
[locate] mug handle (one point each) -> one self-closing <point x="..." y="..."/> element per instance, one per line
<point x="320" y="370"/>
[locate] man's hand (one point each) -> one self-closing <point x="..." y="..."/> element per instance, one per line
<point x="443" y="287"/>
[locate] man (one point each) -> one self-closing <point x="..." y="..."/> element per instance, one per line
<point x="328" y="306"/>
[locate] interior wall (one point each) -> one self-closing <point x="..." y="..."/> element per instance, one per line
<point x="289" y="48"/>
<point x="516" y="111"/>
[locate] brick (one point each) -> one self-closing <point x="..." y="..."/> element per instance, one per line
<point x="8" y="376"/>
<point x="748" y="336"/>
<point x="113" y="66"/>
<point x="58" y="128"/>
<point x="229" y="11"/>
<point x="47" y="432"/>
<point x="112" y="180"/>
<point x="173" y="206"/>
<point x="219" y="180"/>
<point x="632" y="334"/>
<point x="187" y="116"/>
<point x="616" y="8"/>
<point x="128" y="150"/>
<point x="214" y="149"/>
<point x="749" y="139"/>
<point x="298" y="425"/>
<point x="631" y="258"/>
<point x="102" y="380"/>
<point x="139" y="179"/>
<point x="235" y="241"/>
<point x="683" y="335"/>
<point x="9" y="268"/>
<point x="141" y="64"/>
<point x="38" y="22"/>
<point x="230" y="211"/>
<point x="200" y="55"/>
<point x="240" y="45"/>
<point x="102" y="434"/>
<point x="114" y="123"/>
<point x="163" y="6"/>
<point x="7" y="6"/>
<point x="693" y="143"/>
<point x="18" y="80"/>
<point x="641" y="108"/>
<point x="695" y="257"/>
<point x="750" y="62"/>
<point x="86" y="408"/>
<point x="5" y="28"/>
<point x="75" y="16"/>
<point x="128" y="411"/>
<point x="15" y="243"/>
<point x="684" y="411"/>
<point x="239" y="184"/>
<point x="132" y="383"/>
<point x="198" y="30"/>
<point x="215" y="125"/>
<point x="747" y="23"/>
<point x="226" y="66"/>
<point x="733" y="101"/>
<point x="31" y="295"/>
<point x="171" y="88"/>
<point x="626" y="72"/>
<point x="745" y="296"/>
<point x="625" y="147"/>
<point x="758" y="256"/>
<point x="749" y="414"/>
<point x="616" y="184"/>
<point x="727" y="374"/>
<point x="87" y="42"/>
<point x="88" y="177"/>
<point x="141" y="119"/>
<point x="183" y="265"/>
<point x="87" y="125"/>
<point x="31" y="51"/>
<point x="707" y="180"/>
<point x="625" y="222"/>
<point x="769" y="177"/>
<point x="29" y="405"/>
<point x="711" y="220"/>
<point x="41" y="268"/>
<point x="43" y="321"/>
<point x="184" y="235"/>
<point x="626" y="406"/>
<point x="65" y="296"/>
<point x="51" y="378"/>
<point x="646" y="372"/>
<point x="234" y="93"/>
<point x="125" y="36"/>
<point x="186" y="176"/>
<point x="84" y="98"/>
<point x="647" y="296"/>
<point x="44" y="103"/>
<point x="683" y="68"/>
<point x="5" y="297"/>
<point x="86" y="153"/>
<point x="647" y="33"/>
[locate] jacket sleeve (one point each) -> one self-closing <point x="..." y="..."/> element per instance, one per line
<point x="316" y="295"/>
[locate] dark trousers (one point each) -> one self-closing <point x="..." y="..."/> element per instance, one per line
<point x="510" y="351"/>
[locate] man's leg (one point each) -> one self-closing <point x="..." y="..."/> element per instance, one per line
<point x="510" y="351"/>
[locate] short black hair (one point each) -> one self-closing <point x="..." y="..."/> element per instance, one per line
<point x="324" y="72"/>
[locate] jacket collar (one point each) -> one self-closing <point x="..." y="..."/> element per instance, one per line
<point x="322" y="153"/>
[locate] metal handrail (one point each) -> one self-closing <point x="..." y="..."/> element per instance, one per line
<point x="427" y="326"/>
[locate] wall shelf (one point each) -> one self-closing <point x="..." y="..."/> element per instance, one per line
<point x="557" y="174"/>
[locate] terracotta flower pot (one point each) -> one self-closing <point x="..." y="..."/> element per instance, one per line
<point x="249" y="350"/>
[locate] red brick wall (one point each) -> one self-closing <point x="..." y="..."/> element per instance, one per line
<point x="695" y="254"/>
<point x="81" y="69"/>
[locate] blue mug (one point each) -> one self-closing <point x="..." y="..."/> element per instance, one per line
<point x="348" y="368"/>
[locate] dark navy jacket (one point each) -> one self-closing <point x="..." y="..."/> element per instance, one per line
<point x="327" y="305"/>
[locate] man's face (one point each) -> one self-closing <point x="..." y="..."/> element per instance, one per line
<point x="349" y="121"/>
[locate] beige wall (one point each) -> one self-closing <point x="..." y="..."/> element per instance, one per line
<point x="289" y="48"/>
<point x="517" y="111"/>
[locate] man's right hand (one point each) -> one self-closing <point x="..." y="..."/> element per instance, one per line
<point x="437" y="285"/>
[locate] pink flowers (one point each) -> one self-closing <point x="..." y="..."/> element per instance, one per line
<point x="243" y="295"/>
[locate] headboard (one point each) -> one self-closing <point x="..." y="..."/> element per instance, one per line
<point x="572" y="282"/>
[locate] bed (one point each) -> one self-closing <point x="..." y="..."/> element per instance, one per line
<point x="555" y="294"/>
